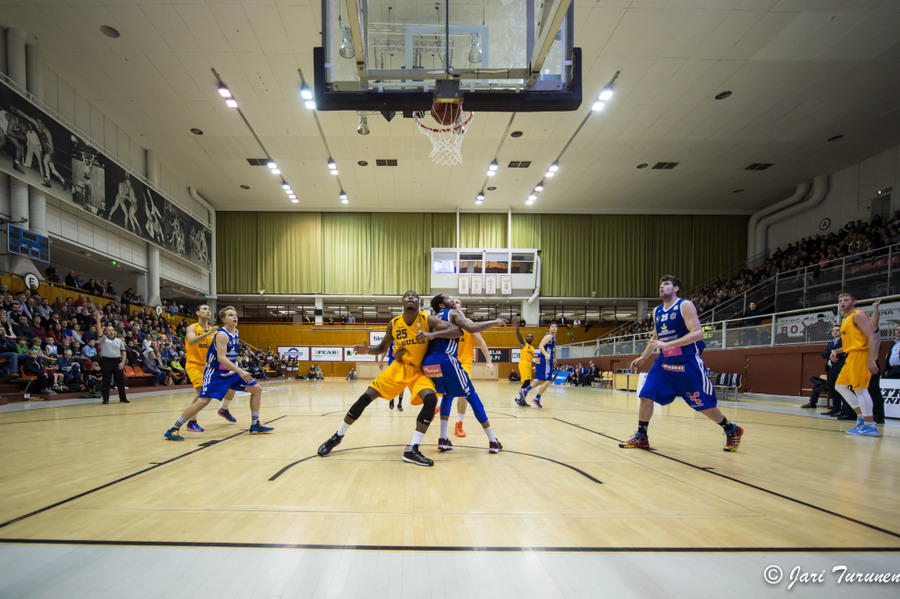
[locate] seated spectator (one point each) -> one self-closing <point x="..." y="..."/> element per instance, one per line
<point x="893" y="359"/>
<point x="21" y="345"/>
<point x="22" y="328"/>
<point x="93" y="380"/>
<point x="32" y="366"/>
<point x="89" y="351"/>
<point x="110" y="290"/>
<point x="44" y="309"/>
<point x="70" y="369"/>
<point x="91" y="334"/>
<point x="351" y="376"/>
<point x="6" y="326"/>
<point x="150" y="366"/>
<point x="51" y="274"/>
<point x="37" y="328"/>
<point x="9" y="351"/>
<point x="70" y="279"/>
<point x="178" y="373"/>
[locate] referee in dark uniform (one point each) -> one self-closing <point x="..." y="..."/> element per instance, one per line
<point x="111" y="351"/>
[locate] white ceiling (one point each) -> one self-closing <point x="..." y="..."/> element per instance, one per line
<point x="801" y="71"/>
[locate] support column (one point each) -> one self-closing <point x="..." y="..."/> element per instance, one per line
<point x="18" y="214"/>
<point x="642" y="307"/>
<point x="15" y="56"/>
<point x="153" y="276"/>
<point x="4" y="206"/>
<point x="3" y="68"/>
<point x="320" y="308"/>
<point x="531" y="313"/>
<point x="152" y="296"/>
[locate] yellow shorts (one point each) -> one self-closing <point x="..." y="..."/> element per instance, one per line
<point x="525" y="371"/>
<point x="467" y="366"/>
<point x="398" y="376"/>
<point x="196" y="376"/>
<point x="855" y="371"/>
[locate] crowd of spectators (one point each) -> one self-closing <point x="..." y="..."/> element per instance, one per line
<point x="848" y="243"/>
<point x="56" y="342"/>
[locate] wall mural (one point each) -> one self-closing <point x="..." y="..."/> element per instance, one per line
<point x="37" y="149"/>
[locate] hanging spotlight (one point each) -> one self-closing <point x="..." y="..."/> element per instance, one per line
<point x="347" y="50"/>
<point x="294" y="200"/>
<point x="271" y="164"/>
<point x="284" y="185"/>
<point x="475" y="49"/>
<point x="310" y="104"/>
<point x="607" y="93"/>
<point x="332" y="166"/>
<point x="276" y="171"/>
<point x="231" y="103"/>
<point x="598" y="106"/>
<point x="305" y="92"/>
<point x="343" y="197"/>
<point x="539" y="186"/>
<point x="363" y="127"/>
<point x="532" y="197"/>
<point x="480" y="196"/>
<point x="224" y="91"/>
<point x="492" y="169"/>
<point x="552" y="170"/>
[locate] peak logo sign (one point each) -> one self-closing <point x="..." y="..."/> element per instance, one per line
<point x="327" y="354"/>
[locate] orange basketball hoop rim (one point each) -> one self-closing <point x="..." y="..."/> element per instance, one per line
<point x="446" y="140"/>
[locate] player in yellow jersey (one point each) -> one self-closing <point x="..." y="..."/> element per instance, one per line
<point x="196" y="347"/>
<point x="404" y="371"/>
<point x="526" y="364"/>
<point x="860" y="343"/>
<point x="466" y="355"/>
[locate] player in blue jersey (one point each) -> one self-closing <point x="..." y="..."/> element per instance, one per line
<point x="442" y="366"/>
<point x="222" y="375"/>
<point x="545" y="358"/>
<point x="678" y="371"/>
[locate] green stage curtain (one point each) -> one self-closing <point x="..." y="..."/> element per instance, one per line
<point x="288" y="250"/>
<point x="236" y="256"/>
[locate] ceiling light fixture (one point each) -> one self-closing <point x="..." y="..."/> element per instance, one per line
<point x="363" y="127"/>
<point x="305" y="92"/>
<point x="343" y="197"/>
<point x="539" y="186"/>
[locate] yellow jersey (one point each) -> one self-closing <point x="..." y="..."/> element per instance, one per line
<point x="466" y="350"/>
<point x="852" y="339"/>
<point x="526" y="356"/>
<point x="196" y="354"/>
<point x="405" y="337"/>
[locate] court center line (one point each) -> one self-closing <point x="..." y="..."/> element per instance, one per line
<point x="745" y="483"/>
<point x="539" y="457"/>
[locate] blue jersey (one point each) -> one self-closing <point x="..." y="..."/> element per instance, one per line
<point x="443" y="346"/>
<point x="543" y="363"/>
<point x="212" y="355"/>
<point x="670" y="325"/>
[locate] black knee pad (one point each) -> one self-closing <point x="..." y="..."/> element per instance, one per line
<point x="357" y="408"/>
<point x="426" y="414"/>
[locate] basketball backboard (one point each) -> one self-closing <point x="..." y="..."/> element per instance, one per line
<point x="502" y="55"/>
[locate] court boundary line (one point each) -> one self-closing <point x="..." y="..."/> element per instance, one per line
<point x="445" y="548"/>
<point x="710" y="470"/>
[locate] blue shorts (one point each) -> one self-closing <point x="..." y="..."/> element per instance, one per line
<point x="217" y="384"/>
<point x="687" y="380"/>
<point x="543" y="370"/>
<point x="448" y="375"/>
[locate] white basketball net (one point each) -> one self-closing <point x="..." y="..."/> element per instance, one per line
<point x="446" y="142"/>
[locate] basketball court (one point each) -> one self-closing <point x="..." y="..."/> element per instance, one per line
<point x="93" y="491"/>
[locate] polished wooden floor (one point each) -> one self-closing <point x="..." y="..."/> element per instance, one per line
<point x="95" y="474"/>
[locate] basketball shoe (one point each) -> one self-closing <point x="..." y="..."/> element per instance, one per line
<point x="733" y="439"/>
<point x="458" y="430"/>
<point x="194" y="426"/>
<point x="495" y="446"/>
<point x="172" y="435"/>
<point x="444" y="445"/>
<point x="226" y="415"/>
<point x="414" y="456"/>
<point x="259" y="427"/>
<point x="326" y="447"/>
<point x="637" y="441"/>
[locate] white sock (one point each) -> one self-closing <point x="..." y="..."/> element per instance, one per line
<point x="865" y="402"/>
<point x="342" y="429"/>
<point x="226" y="403"/>
<point x="444" y="428"/>
<point x="459" y="417"/>
<point x="417" y="438"/>
<point x="490" y="433"/>
<point x="254" y="417"/>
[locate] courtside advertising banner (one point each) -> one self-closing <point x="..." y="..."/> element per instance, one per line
<point x="290" y="352"/>
<point x="375" y="337"/>
<point x="326" y="354"/>
<point x="351" y="356"/>
<point x="515" y="355"/>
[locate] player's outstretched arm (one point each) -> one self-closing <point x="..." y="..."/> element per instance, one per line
<point x="381" y="347"/>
